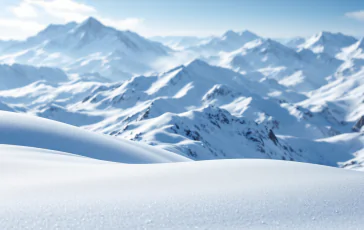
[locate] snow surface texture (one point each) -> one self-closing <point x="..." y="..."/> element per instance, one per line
<point x="202" y="98"/>
<point x="43" y="189"/>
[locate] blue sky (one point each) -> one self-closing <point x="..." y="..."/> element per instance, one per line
<point x="270" y="18"/>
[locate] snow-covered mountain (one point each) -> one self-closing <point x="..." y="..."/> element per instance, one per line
<point x="17" y="75"/>
<point x="89" y="114"/>
<point x="228" y="42"/>
<point x="256" y="94"/>
<point x="329" y="43"/>
<point x="301" y="70"/>
<point x="198" y="111"/>
<point x="86" y="48"/>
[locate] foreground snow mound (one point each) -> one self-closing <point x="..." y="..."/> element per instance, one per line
<point x="46" y="190"/>
<point x="23" y="130"/>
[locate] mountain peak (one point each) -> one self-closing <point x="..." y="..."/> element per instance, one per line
<point x="244" y="33"/>
<point x="248" y="33"/>
<point x="326" y="36"/>
<point x="91" y="22"/>
<point x="230" y="33"/>
<point x="197" y="62"/>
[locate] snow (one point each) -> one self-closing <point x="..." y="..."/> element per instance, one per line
<point x="227" y="42"/>
<point x="204" y="101"/>
<point x="196" y="110"/>
<point x="44" y="189"/>
<point x="330" y="43"/>
<point x="25" y="130"/>
<point x="139" y="103"/>
<point x="16" y="75"/>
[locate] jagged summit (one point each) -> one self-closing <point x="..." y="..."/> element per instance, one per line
<point x="230" y="33"/>
<point x="197" y="62"/>
<point x="91" y="25"/>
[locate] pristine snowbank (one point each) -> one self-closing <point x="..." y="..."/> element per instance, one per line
<point x="25" y="130"/>
<point x="42" y="189"/>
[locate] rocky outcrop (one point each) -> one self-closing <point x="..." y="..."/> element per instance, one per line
<point x="359" y="124"/>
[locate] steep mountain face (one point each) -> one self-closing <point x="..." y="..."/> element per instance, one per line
<point x="326" y="42"/>
<point x="88" y="47"/>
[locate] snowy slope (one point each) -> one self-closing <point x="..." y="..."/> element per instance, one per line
<point x="344" y="97"/>
<point x="25" y="130"/>
<point x="326" y="42"/>
<point x="197" y="110"/>
<point x="302" y="70"/>
<point x="354" y="51"/>
<point x="42" y="189"/>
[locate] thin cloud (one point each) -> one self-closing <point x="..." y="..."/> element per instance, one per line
<point x="16" y="28"/>
<point x="67" y="10"/>
<point x="358" y="15"/>
<point x="123" y="24"/>
<point x="24" y="10"/>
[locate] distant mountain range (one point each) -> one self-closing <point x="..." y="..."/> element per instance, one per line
<point x="238" y="95"/>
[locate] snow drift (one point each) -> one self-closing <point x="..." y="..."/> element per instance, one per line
<point x="42" y="189"/>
